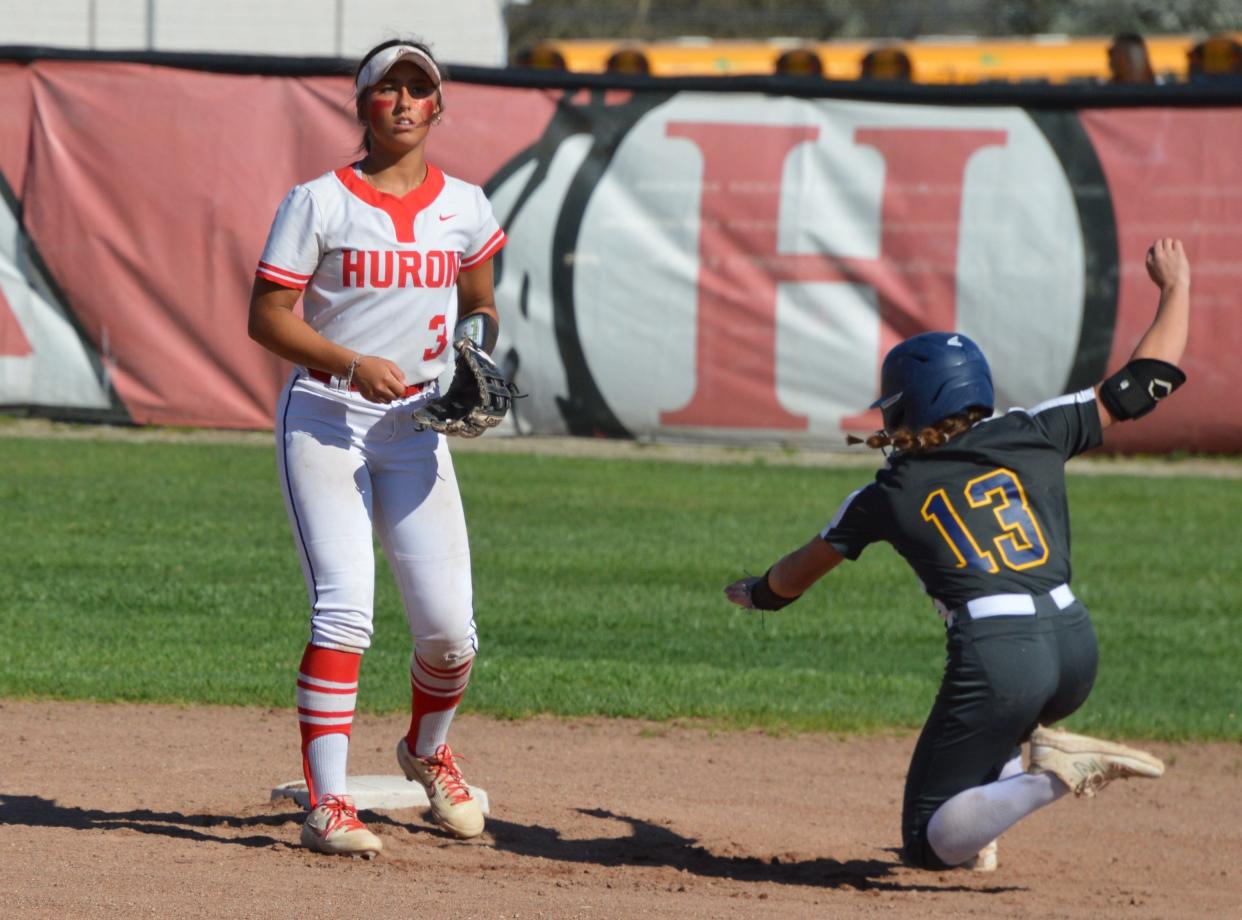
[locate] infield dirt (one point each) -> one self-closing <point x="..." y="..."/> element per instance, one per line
<point x="157" y="811"/>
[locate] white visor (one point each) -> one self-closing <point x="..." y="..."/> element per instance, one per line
<point x="383" y="62"/>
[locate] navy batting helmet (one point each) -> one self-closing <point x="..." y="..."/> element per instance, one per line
<point x="930" y="377"/>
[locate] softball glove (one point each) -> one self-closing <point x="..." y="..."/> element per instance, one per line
<point x="478" y="398"/>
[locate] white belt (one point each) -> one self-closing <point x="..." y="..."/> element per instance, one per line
<point x="1011" y="605"/>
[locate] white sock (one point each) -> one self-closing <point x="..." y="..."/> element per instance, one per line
<point x="969" y="821"/>
<point x="433" y="731"/>
<point x="1011" y="767"/>
<point x="327" y="756"/>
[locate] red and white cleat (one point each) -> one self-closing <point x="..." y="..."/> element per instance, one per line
<point x="333" y="827"/>
<point x="452" y="805"/>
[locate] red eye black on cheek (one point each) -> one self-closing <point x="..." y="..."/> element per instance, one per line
<point x="378" y="107"/>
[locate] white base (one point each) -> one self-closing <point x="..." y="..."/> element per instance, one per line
<point x="376" y="793"/>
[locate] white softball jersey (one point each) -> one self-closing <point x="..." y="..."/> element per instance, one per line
<point x="379" y="271"/>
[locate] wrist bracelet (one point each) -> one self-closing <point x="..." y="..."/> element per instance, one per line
<point x="349" y="374"/>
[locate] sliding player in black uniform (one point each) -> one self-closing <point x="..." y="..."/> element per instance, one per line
<point x="977" y="506"/>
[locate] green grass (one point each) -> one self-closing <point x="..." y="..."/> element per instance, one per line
<point x="166" y="572"/>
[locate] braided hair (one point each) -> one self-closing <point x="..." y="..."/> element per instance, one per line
<point x="934" y="435"/>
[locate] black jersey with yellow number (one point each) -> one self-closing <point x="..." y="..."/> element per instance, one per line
<point x="985" y="513"/>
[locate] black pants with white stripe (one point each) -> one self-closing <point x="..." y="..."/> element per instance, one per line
<point x="1003" y="676"/>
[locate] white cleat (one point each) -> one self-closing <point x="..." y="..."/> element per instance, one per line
<point x="452" y="805"/>
<point x="1087" y="764"/>
<point x="333" y="827"/>
<point x="984" y="860"/>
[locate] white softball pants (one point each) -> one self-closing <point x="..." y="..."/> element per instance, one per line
<point x="350" y="467"/>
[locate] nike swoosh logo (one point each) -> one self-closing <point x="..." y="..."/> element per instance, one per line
<point x="447" y="216"/>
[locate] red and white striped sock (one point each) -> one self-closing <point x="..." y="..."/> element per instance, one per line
<point x="437" y="691"/>
<point x="327" y="694"/>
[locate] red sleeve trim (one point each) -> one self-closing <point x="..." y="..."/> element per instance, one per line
<point x="490" y="248"/>
<point x="284" y="271"/>
<point x="280" y="279"/>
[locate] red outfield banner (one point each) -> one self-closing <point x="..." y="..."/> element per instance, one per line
<point x="690" y="265"/>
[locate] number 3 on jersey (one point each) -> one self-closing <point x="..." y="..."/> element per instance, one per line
<point x="439" y="326"/>
<point x="1020" y="543"/>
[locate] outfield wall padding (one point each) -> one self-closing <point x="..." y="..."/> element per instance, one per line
<point x="682" y="264"/>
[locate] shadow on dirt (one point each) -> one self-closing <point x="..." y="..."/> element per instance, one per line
<point x="647" y="844"/>
<point x="35" y="811"/>
<point x="651" y="845"/>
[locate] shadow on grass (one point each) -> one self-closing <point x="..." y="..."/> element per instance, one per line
<point x="651" y="845"/>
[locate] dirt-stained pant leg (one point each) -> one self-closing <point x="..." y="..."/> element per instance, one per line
<point x="422" y="527"/>
<point x="328" y="496"/>
<point x="351" y="468"/>
<point x="420" y="520"/>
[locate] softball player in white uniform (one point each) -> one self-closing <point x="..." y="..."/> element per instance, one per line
<point x="392" y="259"/>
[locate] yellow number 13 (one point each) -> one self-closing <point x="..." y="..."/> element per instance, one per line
<point x="1020" y="543"/>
